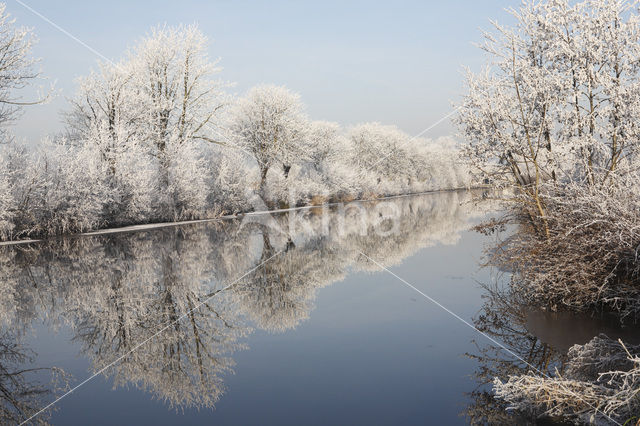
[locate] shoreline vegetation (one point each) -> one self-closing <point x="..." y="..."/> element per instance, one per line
<point x="553" y="121"/>
<point x="157" y="137"/>
<point x="240" y="215"/>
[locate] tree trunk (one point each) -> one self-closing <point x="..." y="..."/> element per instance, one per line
<point x="263" y="180"/>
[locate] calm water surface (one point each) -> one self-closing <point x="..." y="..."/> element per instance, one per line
<point x="280" y="320"/>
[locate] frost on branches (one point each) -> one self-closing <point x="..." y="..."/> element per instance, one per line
<point x="559" y="97"/>
<point x="599" y="385"/>
<point x="553" y="118"/>
<point x="17" y="68"/>
<point x="156" y="137"/>
<point x="270" y="125"/>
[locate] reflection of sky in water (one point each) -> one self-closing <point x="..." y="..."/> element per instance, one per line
<point x="366" y="349"/>
<point x="370" y="352"/>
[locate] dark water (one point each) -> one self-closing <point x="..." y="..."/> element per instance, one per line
<point x="281" y="320"/>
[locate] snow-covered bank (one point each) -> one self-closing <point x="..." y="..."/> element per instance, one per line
<point x="66" y="188"/>
<point x="151" y="226"/>
<point x="598" y="386"/>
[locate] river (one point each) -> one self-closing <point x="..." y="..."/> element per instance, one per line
<point x="373" y="312"/>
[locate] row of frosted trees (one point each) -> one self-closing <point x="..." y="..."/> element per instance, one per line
<point x="156" y="137"/>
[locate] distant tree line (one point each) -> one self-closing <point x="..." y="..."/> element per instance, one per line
<point x="157" y="137"/>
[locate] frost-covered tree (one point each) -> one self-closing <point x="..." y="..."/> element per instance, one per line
<point x="17" y="66"/>
<point x="173" y="77"/>
<point x="380" y="149"/>
<point x="164" y="92"/>
<point x="325" y="144"/>
<point x="105" y="101"/>
<point x="103" y="117"/>
<point x="323" y="170"/>
<point x="270" y="124"/>
<point x="560" y="96"/>
<point x="160" y="106"/>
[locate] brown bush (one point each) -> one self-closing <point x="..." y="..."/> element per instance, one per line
<point x="589" y="260"/>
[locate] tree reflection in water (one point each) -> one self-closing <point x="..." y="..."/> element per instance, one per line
<point x="116" y="291"/>
<point x="21" y="390"/>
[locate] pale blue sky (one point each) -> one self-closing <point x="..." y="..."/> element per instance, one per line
<point x="352" y="61"/>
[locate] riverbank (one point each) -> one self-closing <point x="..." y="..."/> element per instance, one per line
<point x="149" y="226"/>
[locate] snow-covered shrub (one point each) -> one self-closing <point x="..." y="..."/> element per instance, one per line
<point x="134" y="188"/>
<point x="12" y="168"/>
<point x="6" y="205"/>
<point x="57" y="189"/>
<point x="299" y="187"/>
<point x="600" y="385"/>
<point x="188" y="175"/>
<point x="590" y="257"/>
<point x="232" y="178"/>
<point x="74" y="192"/>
